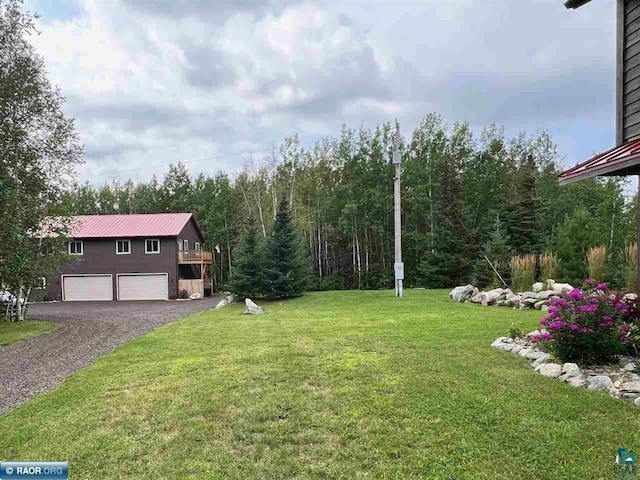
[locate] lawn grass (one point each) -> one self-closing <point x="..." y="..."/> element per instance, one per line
<point x="332" y="385"/>
<point x="13" y="332"/>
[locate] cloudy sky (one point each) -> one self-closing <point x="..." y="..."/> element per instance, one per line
<point x="209" y="83"/>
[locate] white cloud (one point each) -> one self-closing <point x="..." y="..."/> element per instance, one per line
<point x="152" y="82"/>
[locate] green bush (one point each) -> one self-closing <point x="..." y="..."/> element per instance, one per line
<point x="183" y="294"/>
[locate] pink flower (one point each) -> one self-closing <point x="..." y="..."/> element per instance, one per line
<point x="589" y="281"/>
<point x="576" y="294"/>
<point x="588" y="309"/>
<point x="601" y="287"/>
<point x="575" y="327"/>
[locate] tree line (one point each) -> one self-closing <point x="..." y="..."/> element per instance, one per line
<point x="465" y="199"/>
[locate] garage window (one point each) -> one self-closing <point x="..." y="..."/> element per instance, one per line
<point x="123" y="247"/>
<point x="152" y="246"/>
<point x="76" y="247"/>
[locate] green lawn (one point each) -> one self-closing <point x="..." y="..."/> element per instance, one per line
<point x="332" y="385"/>
<point x="12" y="332"/>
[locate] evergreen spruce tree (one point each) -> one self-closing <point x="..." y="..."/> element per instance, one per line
<point x="286" y="267"/>
<point x="499" y="251"/>
<point x="247" y="280"/>
<point x="522" y="210"/>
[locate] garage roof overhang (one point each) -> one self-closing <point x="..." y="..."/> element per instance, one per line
<point x="619" y="161"/>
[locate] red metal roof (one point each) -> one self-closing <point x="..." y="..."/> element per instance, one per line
<point x="620" y="160"/>
<point x="125" y="226"/>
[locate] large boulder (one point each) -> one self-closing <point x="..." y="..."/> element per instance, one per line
<point x="226" y="301"/>
<point x="477" y="298"/>
<point x="463" y="293"/>
<point x="546" y="294"/>
<point x="537" y="287"/>
<point x="600" y="382"/>
<point x="552" y="370"/>
<point x="562" y="288"/>
<point x="525" y="295"/>
<point x="492" y="296"/>
<point x="252" y="308"/>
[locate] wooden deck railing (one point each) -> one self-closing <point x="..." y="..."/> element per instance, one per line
<point x="194" y="256"/>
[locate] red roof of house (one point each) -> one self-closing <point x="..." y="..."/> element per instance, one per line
<point x="621" y="160"/>
<point x="134" y="225"/>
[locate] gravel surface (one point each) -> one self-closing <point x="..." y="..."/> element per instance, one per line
<point x="84" y="331"/>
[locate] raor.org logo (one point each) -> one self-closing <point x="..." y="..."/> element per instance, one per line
<point x="624" y="465"/>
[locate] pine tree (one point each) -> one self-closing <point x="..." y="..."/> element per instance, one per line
<point x="286" y="268"/>
<point x="247" y="280"/>
<point x="499" y="251"/>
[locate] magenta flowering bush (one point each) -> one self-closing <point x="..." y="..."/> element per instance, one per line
<point x="587" y="325"/>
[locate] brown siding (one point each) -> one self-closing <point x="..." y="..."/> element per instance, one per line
<point x="100" y="257"/>
<point x="628" y="71"/>
<point x="190" y="232"/>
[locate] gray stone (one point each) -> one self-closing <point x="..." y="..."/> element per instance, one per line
<point x="491" y="296"/>
<point x="562" y="287"/>
<point x="537" y="287"/>
<point x="252" y="308"/>
<point x="545" y="308"/>
<point x="507" y="347"/>
<point x="516" y="348"/>
<point x="515" y="300"/>
<point x="226" y="301"/>
<point x="499" y="340"/>
<point x="477" y="298"/>
<point x="570" y="368"/>
<point x="541" y="359"/>
<point x="637" y="402"/>
<point x="552" y="370"/>
<point x="631" y="387"/>
<point x="538" y="305"/>
<point x="600" y="382"/>
<point x="463" y="293"/>
<point x="526" y="295"/>
<point x="546" y="294"/>
<point x="533" y="355"/>
<point x="524" y="351"/>
<point x="575" y="380"/>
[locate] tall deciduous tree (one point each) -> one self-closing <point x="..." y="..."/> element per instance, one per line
<point x="39" y="151"/>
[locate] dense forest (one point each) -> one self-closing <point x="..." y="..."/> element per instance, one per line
<point x="463" y="198"/>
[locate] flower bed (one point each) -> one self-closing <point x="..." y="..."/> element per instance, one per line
<point x="593" y="327"/>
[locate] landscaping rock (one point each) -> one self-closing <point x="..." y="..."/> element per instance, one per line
<point x="541" y="359"/>
<point x="538" y="305"/>
<point x="537" y="287"/>
<point x="515" y="300"/>
<point x="562" y="287"/>
<point x="252" y="308"/>
<point x="552" y="370"/>
<point x="637" y="402"/>
<point x="526" y="295"/>
<point x="225" y="301"/>
<point x="630" y="387"/>
<point x="533" y="355"/>
<point x="546" y="295"/>
<point x="195" y="296"/>
<point x="525" y="351"/>
<point x="600" y="382"/>
<point x="492" y="296"/>
<point x="575" y="380"/>
<point x="570" y="368"/>
<point x="544" y="308"/>
<point x="463" y="293"/>
<point x="477" y="298"/>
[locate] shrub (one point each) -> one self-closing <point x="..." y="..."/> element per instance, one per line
<point x="183" y="294"/>
<point x="523" y="272"/>
<point x="586" y="326"/>
<point x="597" y="263"/>
<point x="629" y="266"/>
<point x="548" y="266"/>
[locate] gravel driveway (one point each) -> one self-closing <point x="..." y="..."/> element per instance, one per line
<point x="84" y="331"/>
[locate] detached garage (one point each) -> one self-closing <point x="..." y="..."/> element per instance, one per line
<point x="143" y="286"/>
<point x="86" y="288"/>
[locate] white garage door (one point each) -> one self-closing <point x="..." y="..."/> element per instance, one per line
<point x="140" y="286"/>
<point x="79" y="288"/>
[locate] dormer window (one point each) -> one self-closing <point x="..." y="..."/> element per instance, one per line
<point x="123" y="247"/>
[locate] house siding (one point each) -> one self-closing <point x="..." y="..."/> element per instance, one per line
<point x="628" y="71"/>
<point x="99" y="256"/>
